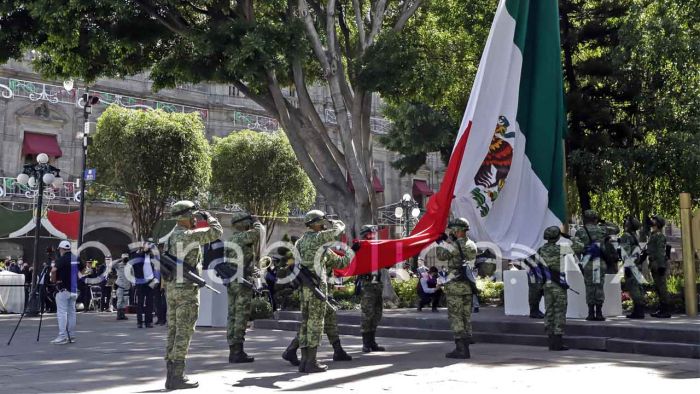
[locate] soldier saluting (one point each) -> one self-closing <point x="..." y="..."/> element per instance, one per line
<point x="182" y="296"/>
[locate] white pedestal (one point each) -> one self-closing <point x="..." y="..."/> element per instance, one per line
<point x="515" y="293"/>
<point x="577" y="308"/>
<point x="213" y="308"/>
<point x="613" y="299"/>
<point x="12" y="294"/>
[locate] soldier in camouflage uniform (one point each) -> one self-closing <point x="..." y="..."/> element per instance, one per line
<point x="549" y="256"/>
<point x="629" y="247"/>
<point x="656" y="249"/>
<point x="372" y="302"/>
<point x="240" y="296"/>
<point x="460" y="250"/>
<point x="592" y="264"/>
<point x="183" y="297"/>
<point x="330" y="259"/>
<point x="313" y="311"/>
<point x="535" y="288"/>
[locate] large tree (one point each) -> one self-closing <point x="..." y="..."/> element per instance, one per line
<point x="151" y="158"/>
<point x="258" y="46"/>
<point x="259" y="172"/>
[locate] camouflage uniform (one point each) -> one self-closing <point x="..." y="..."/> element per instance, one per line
<point x="656" y="249"/>
<point x="240" y="296"/>
<point x="313" y="310"/>
<point x="458" y="291"/>
<point x="593" y="267"/>
<point x="555" y="297"/>
<point x="629" y="246"/>
<point x="372" y="302"/>
<point x="183" y="297"/>
<point x="535" y="290"/>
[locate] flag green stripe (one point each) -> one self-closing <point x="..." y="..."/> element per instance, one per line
<point x="541" y="115"/>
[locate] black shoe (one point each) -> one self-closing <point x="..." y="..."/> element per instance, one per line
<point x="420" y="309"/>
<point x="311" y="365"/>
<point x="237" y="355"/>
<point x="373" y="343"/>
<point x="149" y="325"/>
<point x="461" y="350"/>
<point x="179" y="380"/>
<point x="591" y="313"/>
<point x="476" y="309"/>
<point x="366" y="344"/>
<point x="338" y="353"/>
<point x="139" y="325"/>
<point x="535" y="313"/>
<point x="599" y="313"/>
<point x="557" y="343"/>
<point x="637" y="312"/>
<point x="290" y="354"/>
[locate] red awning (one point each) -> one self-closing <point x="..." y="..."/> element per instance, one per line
<point x="376" y="184"/>
<point x="421" y="188"/>
<point x="35" y="143"/>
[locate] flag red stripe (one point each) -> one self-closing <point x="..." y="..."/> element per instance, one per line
<point x="385" y="253"/>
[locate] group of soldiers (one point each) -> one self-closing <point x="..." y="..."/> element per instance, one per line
<point x="598" y="256"/>
<point x="317" y="317"/>
<point x="315" y="256"/>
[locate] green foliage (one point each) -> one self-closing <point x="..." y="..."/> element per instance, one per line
<point x="151" y="157"/>
<point x="259" y="172"/>
<point x="260" y="308"/>
<point x="348" y="305"/>
<point x="490" y="290"/>
<point x="407" y="292"/>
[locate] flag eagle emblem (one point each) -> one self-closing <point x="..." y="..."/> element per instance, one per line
<point x="492" y="174"/>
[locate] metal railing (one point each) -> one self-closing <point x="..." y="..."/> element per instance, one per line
<point x="11" y="189"/>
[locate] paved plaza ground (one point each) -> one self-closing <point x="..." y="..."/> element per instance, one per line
<point x="111" y="356"/>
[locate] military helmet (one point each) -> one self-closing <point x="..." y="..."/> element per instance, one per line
<point x="590" y="215"/>
<point x="632" y="224"/>
<point x="552" y="233"/>
<point x="459" y="224"/>
<point x="660" y="222"/>
<point x="183" y="209"/>
<point x="368" y="228"/>
<point x="240" y="216"/>
<point x="314" y="216"/>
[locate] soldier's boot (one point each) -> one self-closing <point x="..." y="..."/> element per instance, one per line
<point x="168" y="375"/>
<point x="373" y="343"/>
<point x="535" y="312"/>
<point x="591" y="313"/>
<point x="558" y="343"/>
<point x="179" y="380"/>
<point x="550" y="341"/>
<point x="237" y="355"/>
<point x="312" y="366"/>
<point x="290" y="353"/>
<point x="663" y="312"/>
<point x="304" y="358"/>
<point x="470" y="340"/>
<point x="459" y="351"/>
<point x="338" y="353"/>
<point x="467" y="354"/>
<point x="599" y="313"/>
<point x="366" y="345"/>
<point x="637" y="312"/>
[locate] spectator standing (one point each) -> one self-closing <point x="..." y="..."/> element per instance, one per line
<point x="65" y="276"/>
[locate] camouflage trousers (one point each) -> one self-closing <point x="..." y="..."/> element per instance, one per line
<point x="594" y="279"/>
<point x="660" y="286"/>
<point x="595" y="293"/>
<point x="371" y="305"/>
<point x="183" y="310"/>
<point x="313" y="312"/>
<point x="535" y="291"/>
<point x="330" y="326"/>
<point x="555" y="304"/>
<point x="459" y="309"/>
<point x="634" y="288"/>
<point x="240" y="298"/>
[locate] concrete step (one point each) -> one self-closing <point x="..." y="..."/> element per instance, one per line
<point x="621" y="338"/>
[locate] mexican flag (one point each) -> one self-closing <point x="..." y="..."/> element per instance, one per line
<point x="506" y="171"/>
<point x="511" y="181"/>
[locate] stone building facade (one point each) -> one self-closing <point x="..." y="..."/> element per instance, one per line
<point x="31" y="108"/>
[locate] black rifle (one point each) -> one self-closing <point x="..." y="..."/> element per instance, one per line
<point x="168" y="265"/>
<point x="304" y="277"/>
<point x="214" y="258"/>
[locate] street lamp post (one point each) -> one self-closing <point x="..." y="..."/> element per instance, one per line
<point x="38" y="175"/>
<point x="87" y="102"/>
<point x="406" y="209"/>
